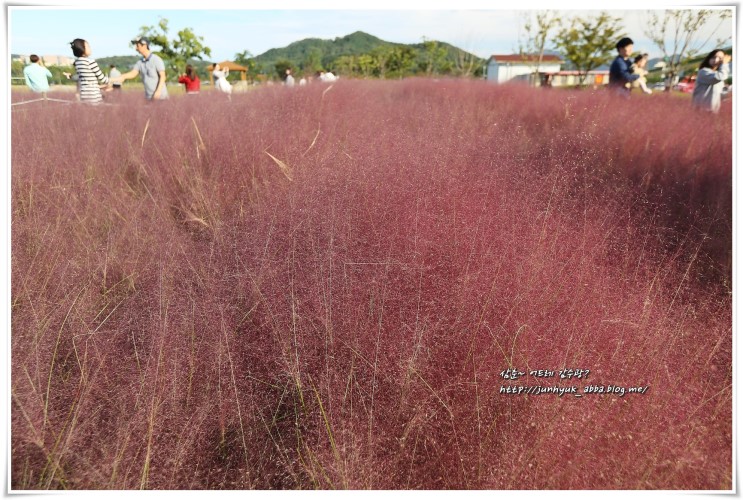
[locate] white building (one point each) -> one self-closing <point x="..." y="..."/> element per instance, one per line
<point x="48" y="60"/>
<point x="502" y="68"/>
<point x="58" y="60"/>
<point x="569" y="78"/>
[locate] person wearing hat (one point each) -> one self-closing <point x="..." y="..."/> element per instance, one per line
<point x="619" y="72"/>
<point x="151" y="68"/>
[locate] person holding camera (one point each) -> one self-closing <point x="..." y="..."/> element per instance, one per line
<point x="37" y="76"/>
<point x="191" y="80"/>
<point x="220" y="79"/>
<point x="713" y="71"/>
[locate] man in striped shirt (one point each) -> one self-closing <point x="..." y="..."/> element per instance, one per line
<point x="151" y="68"/>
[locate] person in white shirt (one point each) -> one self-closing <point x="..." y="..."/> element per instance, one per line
<point x="114" y="73"/>
<point x="220" y="79"/>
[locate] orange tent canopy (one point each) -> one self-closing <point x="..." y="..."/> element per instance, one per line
<point x="230" y="66"/>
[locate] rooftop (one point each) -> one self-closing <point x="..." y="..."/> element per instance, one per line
<point x="523" y="58"/>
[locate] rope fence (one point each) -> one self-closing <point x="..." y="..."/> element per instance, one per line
<point x="66" y="101"/>
<point x="63" y="101"/>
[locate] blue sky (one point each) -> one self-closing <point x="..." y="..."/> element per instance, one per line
<point x="467" y="24"/>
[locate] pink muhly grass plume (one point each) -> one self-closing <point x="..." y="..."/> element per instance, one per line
<point x="319" y="287"/>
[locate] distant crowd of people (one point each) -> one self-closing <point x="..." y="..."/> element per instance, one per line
<point x="624" y="74"/>
<point x="91" y="81"/>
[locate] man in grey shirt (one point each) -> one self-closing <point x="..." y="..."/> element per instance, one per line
<point x="150" y="67"/>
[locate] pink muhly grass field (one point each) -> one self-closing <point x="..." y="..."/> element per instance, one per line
<point x="319" y="288"/>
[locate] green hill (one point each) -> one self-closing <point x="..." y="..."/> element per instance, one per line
<point x="325" y="51"/>
<point x="124" y="63"/>
<point x="315" y="53"/>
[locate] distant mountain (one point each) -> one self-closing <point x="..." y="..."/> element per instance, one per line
<point x="452" y="52"/>
<point x="121" y="62"/>
<point x="323" y="52"/>
<point x="328" y="50"/>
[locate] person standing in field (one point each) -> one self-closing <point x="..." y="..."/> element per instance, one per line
<point x="220" y="79"/>
<point x="191" y="80"/>
<point x="37" y="76"/>
<point x="114" y="73"/>
<point x="713" y="71"/>
<point x="89" y="75"/>
<point x="151" y="68"/>
<point x="289" y="80"/>
<point x="619" y="72"/>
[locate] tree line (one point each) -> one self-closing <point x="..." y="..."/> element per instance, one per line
<point x="430" y="58"/>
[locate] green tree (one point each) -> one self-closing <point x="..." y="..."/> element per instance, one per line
<point x="344" y="65"/>
<point x="682" y="27"/>
<point x="59" y="71"/>
<point x="246" y="59"/>
<point x="402" y="60"/>
<point x="178" y="51"/>
<point x="281" y="66"/>
<point x="589" y="42"/>
<point x="434" y="57"/>
<point x="536" y="34"/>
<point x="465" y="63"/>
<point x="16" y="70"/>
<point x="366" y="64"/>
<point x="312" y="61"/>
<point x="382" y="56"/>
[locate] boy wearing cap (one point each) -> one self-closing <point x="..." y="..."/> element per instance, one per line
<point x="152" y="69"/>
